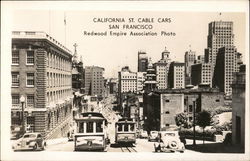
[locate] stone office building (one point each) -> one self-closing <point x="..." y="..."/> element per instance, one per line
<point x="41" y="73"/>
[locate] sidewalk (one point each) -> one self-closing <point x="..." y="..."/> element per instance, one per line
<point x="56" y="141"/>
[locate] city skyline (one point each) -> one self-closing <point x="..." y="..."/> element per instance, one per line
<point x="124" y="50"/>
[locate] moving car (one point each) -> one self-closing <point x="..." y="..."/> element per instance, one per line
<point x="30" y="141"/>
<point x="144" y="134"/>
<point x="153" y="135"/>
<point x="169" y="141"/>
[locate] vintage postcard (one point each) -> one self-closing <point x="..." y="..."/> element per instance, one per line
<point x="137" y="80"/>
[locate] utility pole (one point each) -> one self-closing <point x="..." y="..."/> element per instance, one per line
<point x="194" y="104"/>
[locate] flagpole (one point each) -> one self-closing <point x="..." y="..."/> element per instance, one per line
<point x="65" y="29"/>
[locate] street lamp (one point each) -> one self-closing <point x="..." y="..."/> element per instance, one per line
<point x="22" y="100"/>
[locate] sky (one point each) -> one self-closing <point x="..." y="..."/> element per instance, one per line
<point x="112" y="52"/>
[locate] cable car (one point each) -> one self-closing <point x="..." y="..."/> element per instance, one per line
<point x="125" y="131"/>
<point x="91" y="132"/>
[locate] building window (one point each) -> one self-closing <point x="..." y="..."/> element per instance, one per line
<point x="217" y="100"/>
<point x="167" y="112"/>
<point x="15" y="100"/>
<point x="167" y="100"/>
<point x="30" y="100"/>
<point x="15" y="57"/>
<point x="167" y="125"/>
<point x="190" y="108"/>
<point x="15" y="79"/>
<point x="31" y="124"/>
<point x="30" y="58"/>
<point x="30" y="79"/>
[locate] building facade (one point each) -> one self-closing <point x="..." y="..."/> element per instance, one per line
<point x="238" y="106"/>
<point x="160" y="107"/>
<point x="201" y="74"/>
<point x="220" y="34"/>
<point x="142" y="62"/>
<point x="162" y="68"/>
<point x="200" y="59"/>
<point x="94" y="81"/>
<point x="176" y="75"/>
<point x="190" y="58"/>
<point x="226" y="66"/>
<point x="150" y="83"/>
<point x="41" y="74"/>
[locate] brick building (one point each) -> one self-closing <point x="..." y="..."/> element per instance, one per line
<point x="41" y="73"/>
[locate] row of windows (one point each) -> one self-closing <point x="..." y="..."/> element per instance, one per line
<point x="127" y="77"/>
<point x="58" y="62"/>
<point x="30" y="79"/>
<point x="58" y="80"/>
<point x="57" y="95"/>
<point x="30" y="99"/>
<point x="30" y="58"/>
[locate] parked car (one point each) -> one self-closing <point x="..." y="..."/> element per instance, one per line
<point x="153" y="135"/>
<point x="169" y="141"/>
<point x="30" y="141"/>
<point x="144" y="134"/>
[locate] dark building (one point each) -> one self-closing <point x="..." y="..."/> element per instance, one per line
<point x="142" y="62"/>
<point x="226" y="66"/>
<point x="77" y="73"/>
<point x="41" y="75"/>
<point x="94" y="81"/>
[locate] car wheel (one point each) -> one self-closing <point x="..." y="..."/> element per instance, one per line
<point x="35" y="147"/>
<point x="44" y="145"/>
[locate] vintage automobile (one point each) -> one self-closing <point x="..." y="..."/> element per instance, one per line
<point x="30" y="141"/>
<point x="153" y="135"/>
<point x="144" y="134"/>
<point x="169" y="141"/>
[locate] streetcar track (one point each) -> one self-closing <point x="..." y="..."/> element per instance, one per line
<point x="128" y="149"/>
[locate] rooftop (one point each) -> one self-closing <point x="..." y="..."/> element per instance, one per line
<point x="38" y="35"/>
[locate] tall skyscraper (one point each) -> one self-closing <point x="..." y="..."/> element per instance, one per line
<point x="94" y="80"/>
<point x="142" y="62"/>
<point x="161" y="68"/>
<point x="150" y="83"/>
<point x="226" y="66"/>
<point x="176" y="75"/>
<point x="220" y="34"/>
<point x="190" y="59"/>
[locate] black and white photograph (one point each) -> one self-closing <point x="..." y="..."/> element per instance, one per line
<point x="138" y="80"/>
